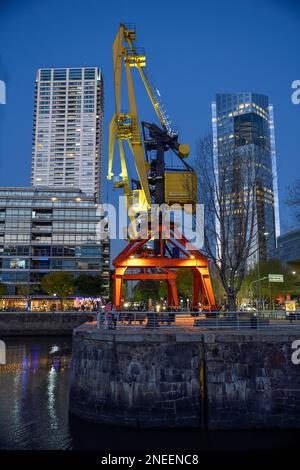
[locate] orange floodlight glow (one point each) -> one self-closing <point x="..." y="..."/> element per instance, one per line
<point x="159" y="267"/>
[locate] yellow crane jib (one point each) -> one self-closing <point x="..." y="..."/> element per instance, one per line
<point x="126" y="127"/>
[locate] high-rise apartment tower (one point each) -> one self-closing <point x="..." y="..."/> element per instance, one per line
<point x="67" y="134"/>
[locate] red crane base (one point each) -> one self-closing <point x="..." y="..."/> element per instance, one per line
<point x="146" y="264"/>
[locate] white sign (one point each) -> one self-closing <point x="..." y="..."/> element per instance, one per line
<point x="275" y="277"/>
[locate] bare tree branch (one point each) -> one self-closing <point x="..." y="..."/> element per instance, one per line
<point x="228" y="189"/>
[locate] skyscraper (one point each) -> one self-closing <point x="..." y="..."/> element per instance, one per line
<point x="244" y="122"/>
<point x="67" y="134"/>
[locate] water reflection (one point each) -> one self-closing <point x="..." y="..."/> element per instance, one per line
<point x="34" y="387"/>
<point x="34" y="394"/>
<point x="52" y="376"/>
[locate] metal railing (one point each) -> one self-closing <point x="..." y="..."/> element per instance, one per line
<point x="202" y="321"/>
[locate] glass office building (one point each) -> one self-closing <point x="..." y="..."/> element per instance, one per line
<point x="45" y="230"/>
<point x="67" y="134"/>
<point x="288" y="247"/>
<point x="242" y="122"/>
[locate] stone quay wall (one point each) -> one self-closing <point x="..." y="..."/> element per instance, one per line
<point x="251" y="381"/>
<point x="177" y="378"/>
<point x="41" y="324"/>
<point x="137" y="379"/>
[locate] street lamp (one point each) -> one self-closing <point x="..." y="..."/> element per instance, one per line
<point x="258" y="303"/>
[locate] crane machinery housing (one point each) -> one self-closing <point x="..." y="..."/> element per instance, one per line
<point x="149" y="254"/>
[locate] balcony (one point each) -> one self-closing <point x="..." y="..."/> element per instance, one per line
<point x="42" y="228"/>
<point x="41" y="239"/>
<point x="41" y="215"/>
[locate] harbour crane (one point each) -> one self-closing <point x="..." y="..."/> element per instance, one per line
<point x="150" y="254"/>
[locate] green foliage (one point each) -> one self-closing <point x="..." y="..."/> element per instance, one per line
<point x="145" y="290"/>
<point x="26" y="290"/>
<point x="184" y="282"/>
<point x="60" y="284"/>
<point x="274" y="289"/>
<point x="157" y="290"/>
<point x="88" y="286"/>
<point x="2" y="289"/>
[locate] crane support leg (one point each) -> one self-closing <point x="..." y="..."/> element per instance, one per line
<point x="174" y="293"/>
<point x="118" y="287"/>
<point x="197" y="284"/>
<point x="172" y="297"/>
<point x="207" y="287"/>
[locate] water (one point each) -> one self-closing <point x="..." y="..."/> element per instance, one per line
<point x="34" y="415"/>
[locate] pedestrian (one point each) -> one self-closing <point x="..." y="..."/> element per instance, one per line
<point x="129" y="317"/>
<point x="100" y="319"/>
<point x="108" y="315"/>
<point x="114" y="318"/>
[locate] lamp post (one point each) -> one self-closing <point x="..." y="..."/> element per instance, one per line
<point x="258" y="302"/>
<point x="253" y="282"/>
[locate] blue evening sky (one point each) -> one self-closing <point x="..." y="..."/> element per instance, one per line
<point x="194" y="49"/>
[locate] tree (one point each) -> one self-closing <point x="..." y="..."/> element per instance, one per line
<point x="218" y="289"/>
<point x="184" y="282"/>
<point x="2" y="289"/>
<point x="270" y="290"/>
<point x="293" y="198"/>
<point x="26" y="290"/>
<point x="60" y="284"/>
<point x="88" y="286"/>
<point x="145" y="290"/>
<point x="229" y="192"/>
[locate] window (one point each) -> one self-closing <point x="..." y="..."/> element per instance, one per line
<point x="89" y="74"/>
<point x="75" y="74"/>
<point x="249" y="128"/>
<point x="60" y="74"/>
<point x="15" y="276"/>
<point x="45" y="74"/>
<point x="15" y="263"/>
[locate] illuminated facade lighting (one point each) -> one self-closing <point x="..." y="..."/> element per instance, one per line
<point x="67" y="140"/>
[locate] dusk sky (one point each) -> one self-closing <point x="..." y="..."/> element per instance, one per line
<point x="194" y="49"/>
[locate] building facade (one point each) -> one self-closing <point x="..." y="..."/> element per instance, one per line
<point x="243" y="122"/>
<point x="67" y="134"/>
<point x="46" y="230"/>
<point x="288" y="247"/>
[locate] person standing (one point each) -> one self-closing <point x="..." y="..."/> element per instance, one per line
<point x="108" y="315"/>
<point x="114" y="318"/>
